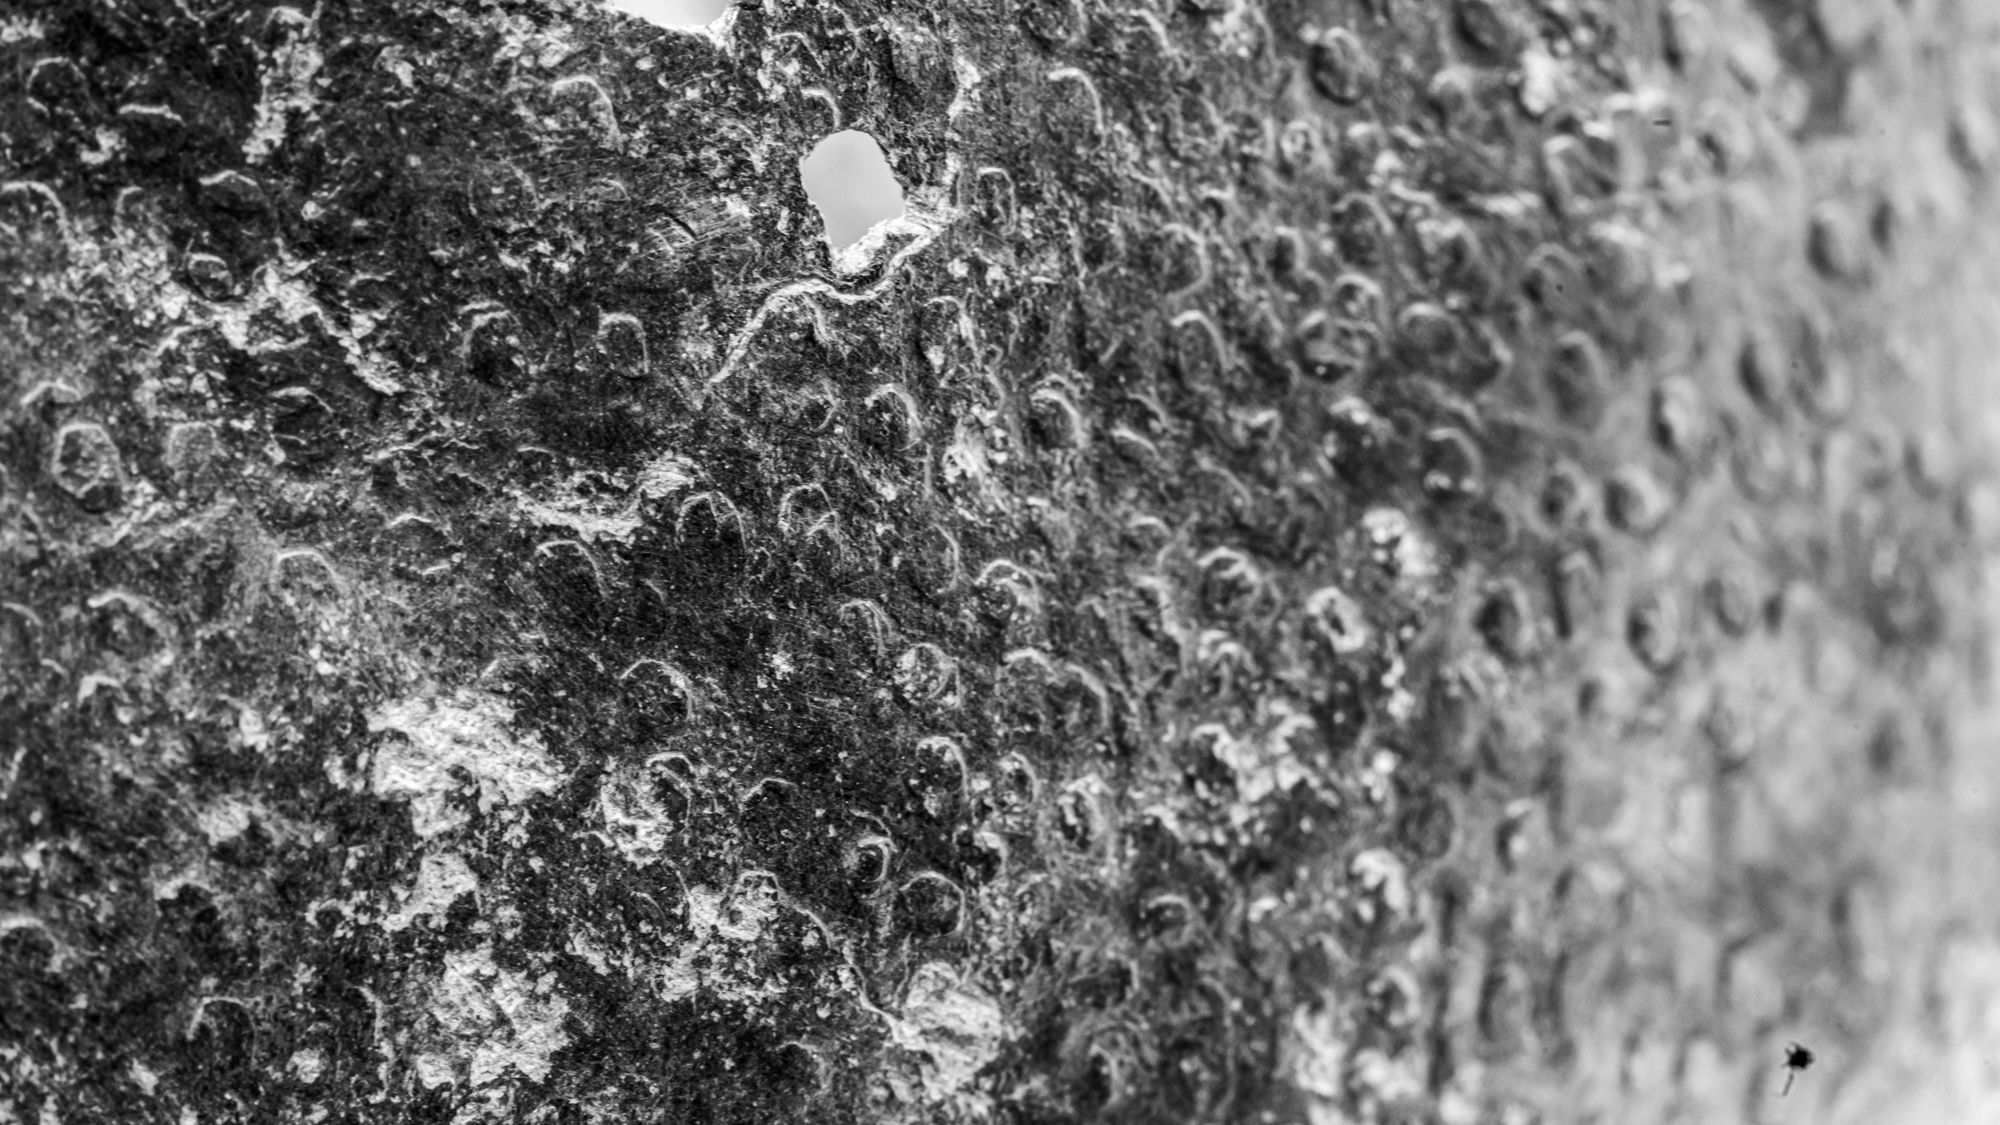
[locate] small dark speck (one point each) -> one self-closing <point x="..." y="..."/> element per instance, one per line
<point x="1797" y="1058"/>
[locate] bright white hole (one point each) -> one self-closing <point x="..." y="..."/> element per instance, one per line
<point x="674" y="13"/>
<point x="848" y="179"/>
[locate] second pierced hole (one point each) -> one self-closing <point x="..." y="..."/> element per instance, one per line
<point x="849" y="180"/>
<point x="674" y="13"/>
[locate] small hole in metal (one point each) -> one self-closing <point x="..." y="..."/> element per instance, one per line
<point x="674" y="13"/>
<point x="849" y="180"/>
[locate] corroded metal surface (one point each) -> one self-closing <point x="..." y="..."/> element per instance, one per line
<point x="1345" y="562"/>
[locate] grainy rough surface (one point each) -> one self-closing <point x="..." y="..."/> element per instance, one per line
<point x="1346" y="562"/>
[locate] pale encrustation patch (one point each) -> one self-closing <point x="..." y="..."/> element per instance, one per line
<point x="470" y="731"/>
<point x="953" y="1024"/>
